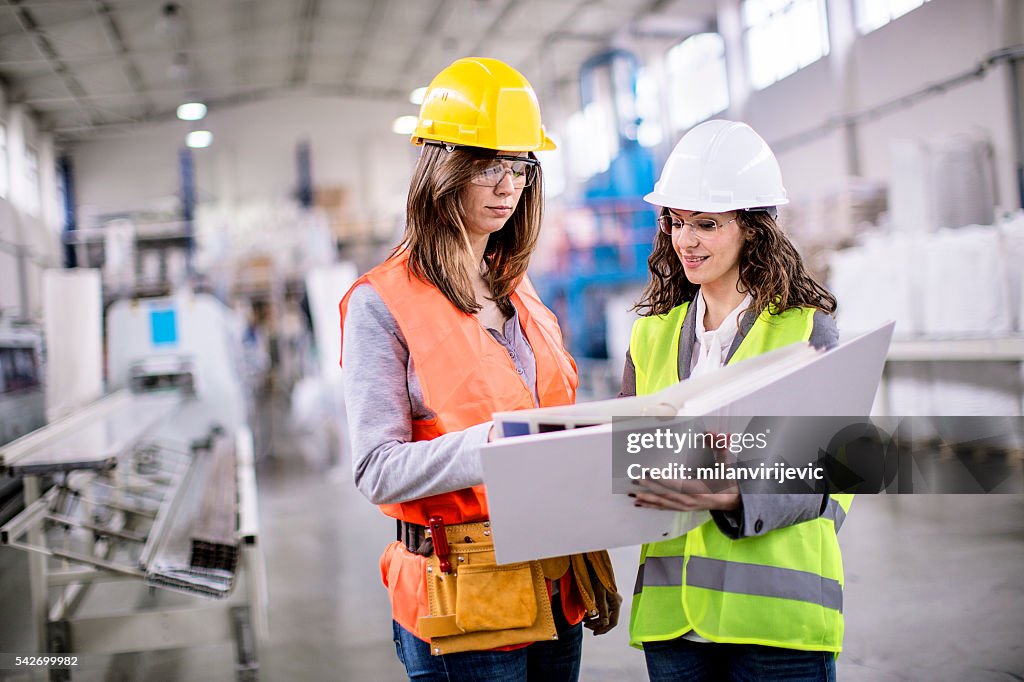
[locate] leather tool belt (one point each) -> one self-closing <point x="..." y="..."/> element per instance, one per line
<point x="474" y="603"/>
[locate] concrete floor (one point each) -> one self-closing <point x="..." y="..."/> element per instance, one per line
<point x="935" y="588"/>
<point x="935" y="591"/>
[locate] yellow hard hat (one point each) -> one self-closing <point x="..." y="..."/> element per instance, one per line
<point x="481" y="102"/>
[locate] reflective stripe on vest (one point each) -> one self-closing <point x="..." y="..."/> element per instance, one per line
<point x="766" y="590"/>
<point x="835" y="511"/>
<point x="730" y="576"/>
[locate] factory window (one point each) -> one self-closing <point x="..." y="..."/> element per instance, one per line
<point x="698" y="86"/>
<point x="553" y="163"/>
<point x="648" y="108"/>
<point x="593" y="141"/>
<point x="31" y="181"/>
<point x="782" y="37"/>
<point x="873" y="14"/>
<point x="4" y="184"/>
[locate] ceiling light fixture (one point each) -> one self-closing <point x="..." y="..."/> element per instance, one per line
<point x="199" y="139"/>
<point x="192" y="111"/>
<point x="417" y="95"/>
<point x="404" y="125"/>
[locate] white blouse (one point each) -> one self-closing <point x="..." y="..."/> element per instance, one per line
<point x="711" y="348"/>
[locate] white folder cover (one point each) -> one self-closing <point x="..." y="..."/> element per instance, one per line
<point x="549" y="491"/>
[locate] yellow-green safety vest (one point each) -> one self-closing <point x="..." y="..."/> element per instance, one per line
<point x="782" y="589"/>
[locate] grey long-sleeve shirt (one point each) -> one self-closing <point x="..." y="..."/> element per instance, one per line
<point x="758" y="513"/>
<point x="383" y="397"/>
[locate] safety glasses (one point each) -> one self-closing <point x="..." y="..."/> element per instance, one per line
<point x="703" y="228"/>
<point x="523" y="172"/>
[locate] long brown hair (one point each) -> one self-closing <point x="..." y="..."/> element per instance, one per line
<point x="771" y="270"/>
<point x="435" y="233"/>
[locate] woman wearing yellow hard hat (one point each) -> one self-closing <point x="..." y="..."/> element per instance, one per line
<point x="442" y="334"/>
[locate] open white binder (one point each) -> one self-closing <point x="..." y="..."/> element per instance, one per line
<point x="549" y="489"/>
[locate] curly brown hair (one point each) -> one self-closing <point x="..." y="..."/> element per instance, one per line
<point x="771" y="270"/>
<point x="435" y="234"/>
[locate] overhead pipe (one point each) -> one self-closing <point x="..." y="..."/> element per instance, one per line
<point x="1017" y="109"/>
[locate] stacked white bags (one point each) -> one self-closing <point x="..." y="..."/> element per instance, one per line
<point x="1011" y="231"/>
<point x="876" y="282"/>
<point x="942" y="285"/>
<point x="944" y="272"/>
<point x="966" y="286"/>
<point x="945" y="182"/>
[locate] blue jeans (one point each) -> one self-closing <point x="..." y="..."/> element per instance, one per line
<point x="555" y="661"/>
<point x="681" y="659"/>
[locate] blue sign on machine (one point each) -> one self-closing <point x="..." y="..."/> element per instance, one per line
<point x="163" y="327"/>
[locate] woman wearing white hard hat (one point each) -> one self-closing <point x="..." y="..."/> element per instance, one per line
<point x="756" y="592"/>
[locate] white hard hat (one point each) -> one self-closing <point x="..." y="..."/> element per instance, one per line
<point x="720" y="166"/>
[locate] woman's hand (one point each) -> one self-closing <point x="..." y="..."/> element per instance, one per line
<point x="686" y="495"/>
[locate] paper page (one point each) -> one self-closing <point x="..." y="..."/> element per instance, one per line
<point x="667" y="402"/>
<point x="842" y="381"/>
<point x="550" y="495"/>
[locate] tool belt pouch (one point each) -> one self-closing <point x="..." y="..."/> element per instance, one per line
<point x="595" y="578"/>
<point x="480" y="605"/>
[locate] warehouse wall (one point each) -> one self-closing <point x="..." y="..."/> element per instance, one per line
<point x="927" y="48"/>
<point x="939" y="39"/>
<point x="795" y="104"/>
<point x="252" y="158"/>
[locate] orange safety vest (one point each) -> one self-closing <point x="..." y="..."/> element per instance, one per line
<point x="465" y="376"/>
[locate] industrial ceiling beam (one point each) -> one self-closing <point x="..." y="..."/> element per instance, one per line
<point x="488" y="34"/>
<point x="244" y="18"/>
<point x="562" y="33"/>
<point x="255" y="41"/>
<point x="442" y="10"/>
<point x="249" y="44"/>
<point x="378" y="10"/>
<point x="180" y="34"/>
<point x="305" y="34"/>
<point x="257" y="94"/>
<point x="112" y="29"/>
<point x="310" y="88"/>
<point x="45" y="47"/>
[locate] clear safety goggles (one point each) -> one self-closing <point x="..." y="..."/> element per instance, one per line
<point x="703" y="228"/>
<point x="523" y="170"/>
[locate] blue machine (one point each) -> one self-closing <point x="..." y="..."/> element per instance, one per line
<point x="577" y="292"/>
